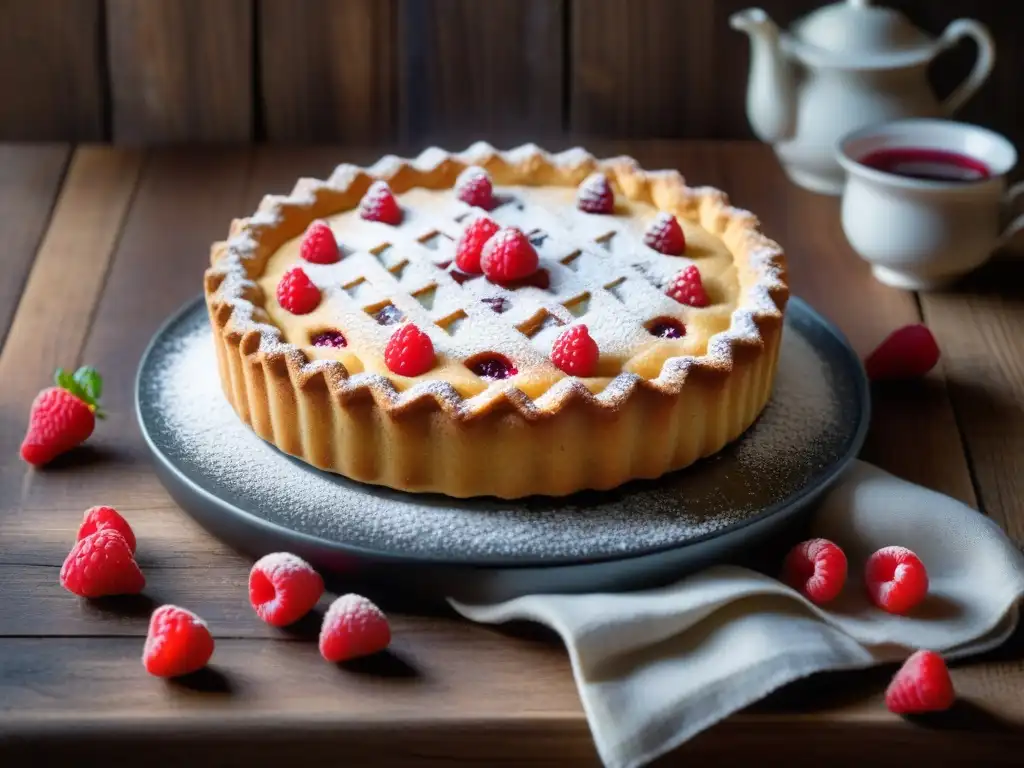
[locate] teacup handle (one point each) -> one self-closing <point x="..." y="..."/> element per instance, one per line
<point x="982" y="64"/>
<point x="1013" y="194"/>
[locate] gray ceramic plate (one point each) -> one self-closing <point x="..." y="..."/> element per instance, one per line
<point x="644" y="533"/>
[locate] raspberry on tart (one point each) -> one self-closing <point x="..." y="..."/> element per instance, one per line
<point x="595" y="195"/>
<point x="507" y="256"/>
<point x="319" y="245"/>
<point x="665" y="235"/>
<point x="473" y="187"/>
<point x="474" y="332"/>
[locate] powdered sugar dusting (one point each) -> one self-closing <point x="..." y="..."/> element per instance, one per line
<point x="803" y="431"/>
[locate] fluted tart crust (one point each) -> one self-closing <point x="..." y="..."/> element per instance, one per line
<point x="653" y="405"/>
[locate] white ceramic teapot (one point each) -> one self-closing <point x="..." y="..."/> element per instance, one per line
<point x="842" y="67"/>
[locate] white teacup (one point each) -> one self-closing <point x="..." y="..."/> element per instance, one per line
<point x="925" y="201"/>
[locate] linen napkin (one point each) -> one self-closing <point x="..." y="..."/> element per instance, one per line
<point x="656" y="667"/>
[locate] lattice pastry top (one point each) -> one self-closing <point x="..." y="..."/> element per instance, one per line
<point x="665" y="279"/>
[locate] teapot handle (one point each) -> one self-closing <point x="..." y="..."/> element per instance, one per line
<point x="983" y="64"/>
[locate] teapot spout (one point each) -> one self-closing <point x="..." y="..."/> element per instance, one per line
<point x="771" y="98"/>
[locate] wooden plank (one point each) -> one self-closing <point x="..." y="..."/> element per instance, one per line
<point x="30" y="177"/>
<point x="980" y="329"/>
<point x="327" y="70"/>
<point x="181" y="70"/>
<point x="51" y="73"/>
<point x="63" y="288"/>
<point x="472" y="70"/>
<point x="642" y="68"/>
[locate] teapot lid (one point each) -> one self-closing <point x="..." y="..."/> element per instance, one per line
<point x="859" y="35"/>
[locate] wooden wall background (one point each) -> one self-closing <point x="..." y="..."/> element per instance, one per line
<point x="411" y="72"/>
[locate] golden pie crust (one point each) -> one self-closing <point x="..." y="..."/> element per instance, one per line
<point x="657" y="405"/>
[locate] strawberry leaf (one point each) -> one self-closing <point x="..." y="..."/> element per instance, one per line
<point x="90" y="382"/>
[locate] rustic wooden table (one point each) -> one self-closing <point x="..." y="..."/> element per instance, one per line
<point x="101" y="244"/>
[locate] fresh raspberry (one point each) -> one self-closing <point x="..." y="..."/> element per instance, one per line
<point x="575" y="352"/>
<point x="319" y="245"/>
<point x="817" y="569"/>
<point x="922" y="684"/>
<point x="178" y="643"/>
<point x="409" y="351"/>
<point x="283" y="588"/>
<point x="907" y="353"/>
<point x="106" y="518"/>
<point x="688" y="288"/>
<point x="471" y="243"/>
<point x="508" y="256"/>
<point x="665" y="235"/>
<point x="378" y="204"/>
<point x="100" y="565"/>
<point x="595" y="195"/>
<point x="62" y="417"/>
<point x="353" y="627"/>
<point x="473" y="187"/>
<point x="896" y="579"/>
<point x="297" y="293"/>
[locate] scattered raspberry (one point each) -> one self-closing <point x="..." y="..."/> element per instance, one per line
<point x="378" y="204"/>
<point x="409" y="352"/>
<point x="896" y="579"/>
<point x="922" y="684"/>
<point x="507" y="256"/>
<point x="296" y="292"/>
<point x="100" y="565"/>
<point x="817" y="569"/>
<point x="283" y="588"/>
<point x="665" y="235"/>
<point x="178" y="643"/>
<point x="907" y="353"/>
<point x="62" y="417"/>
<point x="318" y="244"/>
<point x="473" y="187"/>
<point x="688" y="288"/>
<point x="595" y="195"/>
<point x="471" y="243"/>
<point x="353" y="627"/>
<point x="575" y="352"/>
<point x="106" y="518"/>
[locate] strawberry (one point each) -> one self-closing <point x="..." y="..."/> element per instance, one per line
<point x="409" y="351"/>
<point x="508" y="255"/>
<point x="595" y="195"/>
<point x="896" y="579"/>
<point x="921" y="685"/>
<point x="297" y="293"/>
<point x="319" y="245"/>
<point x="104" y="518"/>
<point x="63" y="416"/>
<point x="178" y="643"/>
<point x="101" y="564"/>
<point x="283" y="588"/>
<point x="379" y="204"/>
<point x="665" y="235"/>
<point x="575" y="352"/>
<point x="353" y="627"/>
<point x="471" y="243"/>
<point x="908" y="352"/>
<point x="473" y="187"/>
<point x="817" y="569"/>
<point x="688" y="288"/>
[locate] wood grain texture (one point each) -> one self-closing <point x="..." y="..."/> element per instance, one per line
<point x="51" y="71"/>
<point x="327" y="70"/>
<point x="452" y="693"/>
<point x="473" y="70"/>
<point x="181" y="70"/>
<point x="30" y="177"/>
<point x="978" y="328"/>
